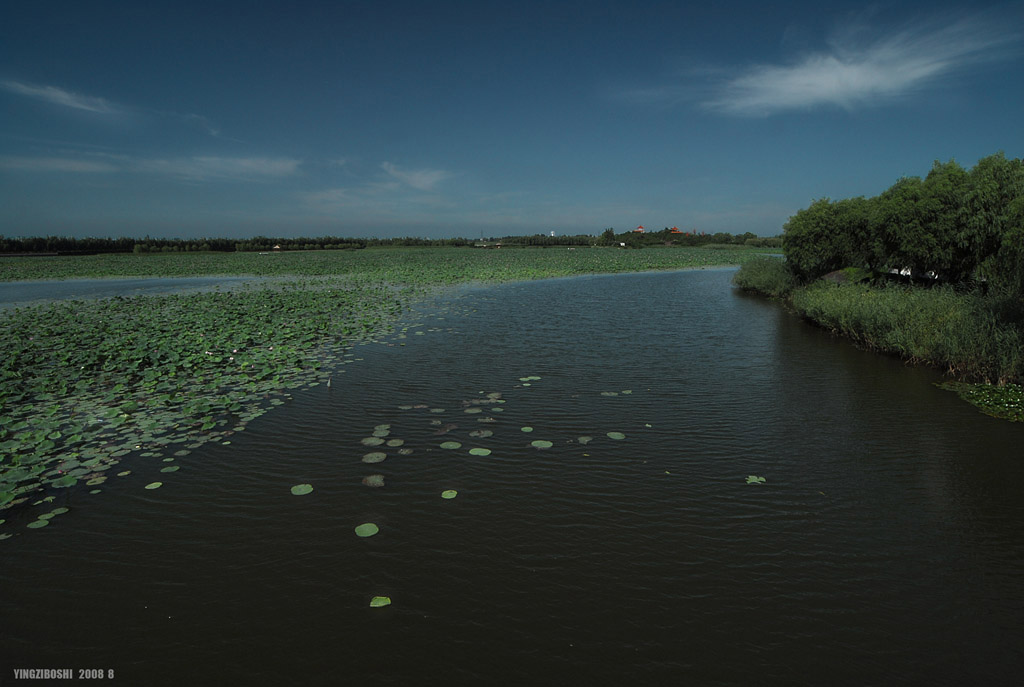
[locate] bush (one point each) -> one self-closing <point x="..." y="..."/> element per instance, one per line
<point x="769" y="276"/>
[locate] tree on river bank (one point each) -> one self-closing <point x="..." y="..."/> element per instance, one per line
<point x="964" y="227"/>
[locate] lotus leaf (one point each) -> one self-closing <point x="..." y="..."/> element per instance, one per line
<point x="367" y="529"/>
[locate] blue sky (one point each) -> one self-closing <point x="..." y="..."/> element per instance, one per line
<point x="436" y="119"/>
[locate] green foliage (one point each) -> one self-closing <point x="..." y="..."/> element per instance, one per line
<point x="765" y="275"/>
<point x="955" y="224"/>
<point x="815" y="242"/>
<point x="764" y="242"/>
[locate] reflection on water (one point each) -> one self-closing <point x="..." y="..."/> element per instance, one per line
<point x="883" y="548"/>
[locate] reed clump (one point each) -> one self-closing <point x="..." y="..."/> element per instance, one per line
<point x="967" y="334"/>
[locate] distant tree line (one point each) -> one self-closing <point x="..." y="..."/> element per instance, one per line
<point x="959" y="226"/>
<point x="667" y="236"/>
<point x="65" y="245"/>
<point x="69" y="245"/>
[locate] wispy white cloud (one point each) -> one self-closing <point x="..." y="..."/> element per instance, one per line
<point x="55" y="164"/>
<point x="383" y="199"/>
<point x="422" y="179"/>
<point x="197" y="121"/>
<point x="863" y="67"/>
<point x="59" y="96"/>
<point x="90" y="103"/>
<point x="241" y="168"/>
<point x="398" y="194"/>
<point x="188" y="168"/>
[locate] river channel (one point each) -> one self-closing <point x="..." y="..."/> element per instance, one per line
<point x="883" y="546"/>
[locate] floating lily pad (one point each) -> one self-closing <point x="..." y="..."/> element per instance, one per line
<point x="381" y="427"/>
<point x="482" y="433"/>
<point x="449" y="494"/>
<point x="169" y="468"/>
<point x="451" y="444"/>
<point x="473" y="410"/>
<point x="302" y="489"/>
<point x="371" y="441"/>
<point x="541" y="443"/>
<point x="380" y="601"/>
<point x="367" y="529"/>
<point x="379" y="433"/>
<point x="36" y="524"/>
<point x="584" y="439"/>
<point x="627" y="391"/>
<point x="616" y="435"/>
<point x="151" y="485"/>
<point x="609" y="393"/>
<point x="753" y="479"/>
<point x="395" y="442"/>
<point x="374" y="480"/>
<point x="480" y="451"/>
<point x="375" y="457"/>
<point x="59" y="511"/>
<point x="526" y="429"/>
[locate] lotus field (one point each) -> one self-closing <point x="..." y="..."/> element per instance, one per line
<point x="86" y="387"/>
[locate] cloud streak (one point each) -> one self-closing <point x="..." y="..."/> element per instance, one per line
<point x="54" y="95"/>
<point x="55" y="164"/>
<point x="856" y="72"/>
<point x="59" y="96"/>
<point x="197" y="168"/>
<point x="421" y="179"/>
<point x="238" y="168"/>
<point x="397" y="194"/>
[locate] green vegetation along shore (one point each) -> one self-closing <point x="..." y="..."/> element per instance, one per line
<point x="87" y="384"/>
<point x="930" y="270"/>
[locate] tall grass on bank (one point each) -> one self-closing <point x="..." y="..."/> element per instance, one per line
<point x="765" y="275"/>
<point x="960" y="332"/>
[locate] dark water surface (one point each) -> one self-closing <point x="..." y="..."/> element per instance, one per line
<point x="886" y="546"/>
